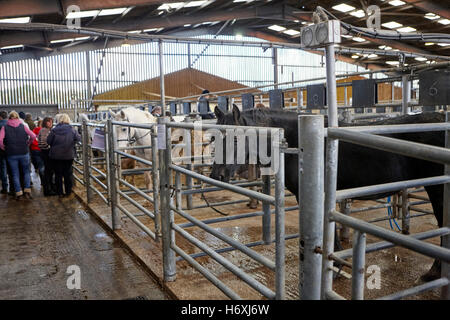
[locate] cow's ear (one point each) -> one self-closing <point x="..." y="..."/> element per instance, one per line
<point x="236" y="114"/>
<point x="112" y="113"/>
<point x="219" y="113"/>
<point x="122" y="114"/>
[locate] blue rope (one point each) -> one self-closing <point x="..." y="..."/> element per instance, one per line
<point x="390" y="214"/>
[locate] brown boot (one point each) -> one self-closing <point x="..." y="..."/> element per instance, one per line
<point x="27" y="195"/>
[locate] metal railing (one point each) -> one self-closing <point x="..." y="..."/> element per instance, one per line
<point x="322" y="198"/>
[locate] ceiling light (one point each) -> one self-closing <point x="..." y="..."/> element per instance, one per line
<point x="392" y="25"/>
<point x="81" y="38"/>
<point x="61" y="40"/>
<point x="177" y="5"/>
<point x="381" y="47"/>
<point x="358" y="39"/>
<point x="343" y="7"/>
<point x="444" y="21"/>
<point x="355" y="56"/>
<point x="110" y="12"/>
<point x="358" y="13"/>
<point x="429" y="43"/>
<point x="443" y="44"/>
<point x="346" y="36"/>
<point x="187" y="25"/>
<point x="291" y="32"/>
<point x="393" y="63"/>
<point x="150" y="30"/>
<point x="135" y="31"/>
<point x="16" y="20"/>
<point x="16" y="46"/>
<point x="82" y="14"/>
<point x="431" y="16"/>
<point x="407" y="29"/>
<point x="421" y="59"/>
<point x="373" y="55"/>
<point x="276" y="28"/>
<point x="396" y="3"/>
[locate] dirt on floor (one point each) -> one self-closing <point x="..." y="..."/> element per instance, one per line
<point x="42" y="238"/>
<point x="400" y="268"/>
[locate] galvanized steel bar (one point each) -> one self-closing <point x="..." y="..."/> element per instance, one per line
<point x="358" y="269"/>
<point x="445" y="267"/>
<point x="408" y="242"/>
<point x="113" y="176"/>
<point x="398" y="146"/>
<point x="311" y="198"/>
<point x="441" y="282"/>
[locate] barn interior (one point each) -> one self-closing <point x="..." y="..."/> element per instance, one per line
<point x="165" y="206"/>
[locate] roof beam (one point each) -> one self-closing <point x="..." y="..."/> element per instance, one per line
<point x="430" y="6"/>
<point x="18" y="8"/>
<point x="20" y="37"/>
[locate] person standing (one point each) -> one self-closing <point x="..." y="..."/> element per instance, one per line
<point x="49" y="171"/>
<point x="3" y="165"/>
<point x="62" y="140"/>
<point x="35" y="151"/>
<point x="15" y="138"/>
<point x="29" y="121"/>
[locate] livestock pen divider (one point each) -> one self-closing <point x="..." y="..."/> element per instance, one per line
<point x="165" y="205"/>
<point x="311" y="142"/>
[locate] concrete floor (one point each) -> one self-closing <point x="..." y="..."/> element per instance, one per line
<point x="40" y="239"/>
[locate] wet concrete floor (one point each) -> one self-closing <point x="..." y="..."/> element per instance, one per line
<point x="41" y="238"/>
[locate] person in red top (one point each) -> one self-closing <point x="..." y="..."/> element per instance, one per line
<point x="35" y="152"/>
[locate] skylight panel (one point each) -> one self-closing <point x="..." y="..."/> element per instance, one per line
<point x="82" y="14"/>
<point x="392" y="25"/>
<point x="343" y="7"/>
<point x="396" y="3"/>
<point x="358" y="39"/>
<point x="431" y="16"/>
<point x="110" y="12"/>
<point x="16" y="46"/>
<point x="444" y="21"/>
<point x="406" y="29"/>
<point x="358" y="13"/>
<point x="291" y="32"/>
<point x="16" y="20"/>
<point x="393" y="63"/>
<point x="276" y="27"/>
<point x="421" y="59"/>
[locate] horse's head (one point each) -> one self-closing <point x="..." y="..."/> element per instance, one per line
<point x="227" y="169"/>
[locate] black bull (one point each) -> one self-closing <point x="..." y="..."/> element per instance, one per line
<point x="358" y="166"/>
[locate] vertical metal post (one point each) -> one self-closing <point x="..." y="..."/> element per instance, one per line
<point x="108" y="131"/>
<point x="266" y="211"/>
<point x="405" y="212"/>
<point x="445" y="271"/>
<point x="156" y="184"/>
<point x="299" y="100"/>
<point x="178" y="190"/>
<point x="88" y="75"/>
<point x="86" y="161"/>
<point x="188" y="148"/>
<point x="406" y="94"/>
<point x="358" y="267"/>
<point x="311" y="199"/>
<point x="330" y="174"/>
<point x="345" y="206"/>
<point x="275" y="67"/>
<point x="161" y="78"/>
<point x="169" y="263"/>
<point x="280" y="276"/>
<point x="113" y="177"/>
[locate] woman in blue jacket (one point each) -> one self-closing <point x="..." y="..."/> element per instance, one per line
<point x="62" y="140"/>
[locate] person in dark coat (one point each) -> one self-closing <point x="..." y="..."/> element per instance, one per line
<point x="62" y="140"/>
<point x="15" y="139"/>
<point x="49" y="188"/>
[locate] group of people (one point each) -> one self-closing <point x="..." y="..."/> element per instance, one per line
<point x="50" y="149"/>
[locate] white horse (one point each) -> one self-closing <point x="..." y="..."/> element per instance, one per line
<point x="128" y="136"/>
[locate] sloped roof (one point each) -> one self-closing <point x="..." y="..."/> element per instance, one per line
<point x="183" y="83"/>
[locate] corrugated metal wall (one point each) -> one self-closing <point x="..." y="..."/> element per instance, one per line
<point x="58" y="79"/>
